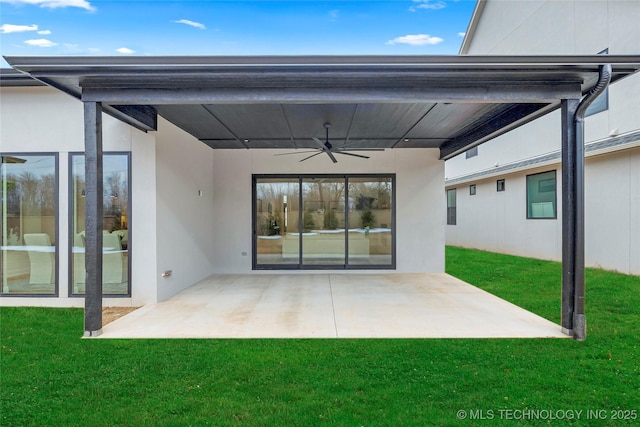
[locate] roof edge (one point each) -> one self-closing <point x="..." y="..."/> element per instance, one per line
<point x="472" y="27"/>
<point x="13" y="78"/>
<point x="59" y="63"/>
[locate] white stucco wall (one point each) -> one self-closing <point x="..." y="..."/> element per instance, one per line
<point x="496" y="221"/>
<point x="41" y="119"/>
<point x="184" y="230"/>
<point x="612" y="211"/>
<point x="419" y="221"/>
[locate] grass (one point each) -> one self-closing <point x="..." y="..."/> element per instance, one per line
<point x="49" y="376"/>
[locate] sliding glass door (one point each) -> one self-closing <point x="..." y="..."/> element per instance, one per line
<point x="116" y="242"/>
<point x="323" y="242"/>
<point x="276" y="221"/>
<point x="323" y="222"/>
<point x="29" y="255"/>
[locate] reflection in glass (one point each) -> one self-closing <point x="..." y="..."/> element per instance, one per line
<point x="28" y="261"/>
<point x="541" y="195"/>
<point x="302" y="221"/>
<point x="115" y="225"/>
<point x="277" y="216"/>
<point x="323" y="240"/>
<point x="370" y="221"/>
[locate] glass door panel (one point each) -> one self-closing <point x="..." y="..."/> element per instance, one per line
<point x="370" y="221"/>
<point x="323" y="237"/>
<point x="28" y="255"/>
<point x="115" y="225"/>
<point x="277" y="216"/>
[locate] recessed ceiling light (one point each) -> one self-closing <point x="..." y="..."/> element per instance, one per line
<point x="407" y="140"/>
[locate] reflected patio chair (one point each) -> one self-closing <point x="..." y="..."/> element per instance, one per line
<point x="79" y="274"/>
<point x="41" y="258"/>
<point x="113" y="260"/>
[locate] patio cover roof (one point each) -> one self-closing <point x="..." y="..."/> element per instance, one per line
<point x="446" y="102"/>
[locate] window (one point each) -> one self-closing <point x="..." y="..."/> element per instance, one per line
<point x="116" y="222"/>
<point x="451" y="207"/>
<point x="541" y="195"/>
<point x="472" y="190"/>
<point x="500" y="185"/>
<point x="29" y="255"/>
<point x="472" y="152"/>
<point x="323" y="221"/>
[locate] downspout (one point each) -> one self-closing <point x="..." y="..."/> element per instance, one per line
<point x="579" y="319"/>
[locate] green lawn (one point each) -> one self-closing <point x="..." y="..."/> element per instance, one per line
<point x="49" y="376"/>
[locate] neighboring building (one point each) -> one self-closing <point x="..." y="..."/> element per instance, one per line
<point x="505" y="195"/>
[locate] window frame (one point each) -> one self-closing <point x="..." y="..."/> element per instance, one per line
<point x="471" y="152"/>
<point x="555" y="195"/>
<point x="454" y="207"/>
<point x="70" y="229"/>
<point x="56" y="289"/>
<point x="473" y="190"/>
<point x="336" y="267"/>
<point x="500" y="188"/>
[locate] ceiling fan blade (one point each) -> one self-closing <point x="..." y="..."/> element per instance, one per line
<point x="335" y="150"/>
<point x="313" y="155"/>
<point x="330" y="154"/>
<point x="320" y="143"/>
<point x="297" y="152"/>
<point x="351" y="154"/>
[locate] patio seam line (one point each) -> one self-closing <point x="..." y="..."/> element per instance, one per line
<point x="333" y="307"/>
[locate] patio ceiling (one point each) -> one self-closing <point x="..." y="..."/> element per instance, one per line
<point x="445" y="102"/>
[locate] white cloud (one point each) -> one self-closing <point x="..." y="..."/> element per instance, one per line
<point x="191" y="23"/>
<point x="10" y="28"/>
<point x="54" y="4"/>
<point x="44" y="32"/>
<point x="125" y="50"/>
<point x="416" y="40"/>
<point x="40" y="43"/>
<point x="428" y="4"/>
<point x="462" y="34"/>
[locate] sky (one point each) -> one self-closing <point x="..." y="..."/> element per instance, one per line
<point x="212" y="27"/>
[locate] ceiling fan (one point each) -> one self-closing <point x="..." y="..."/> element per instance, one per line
<point x="330" y="150"/>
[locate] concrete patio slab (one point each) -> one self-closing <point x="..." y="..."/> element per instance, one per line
<point x="332" y="306"/>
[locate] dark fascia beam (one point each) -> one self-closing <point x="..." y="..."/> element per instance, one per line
<point x="142" y="117"/>
<point x="510" y="119"/>
<point x="525" y="93"/>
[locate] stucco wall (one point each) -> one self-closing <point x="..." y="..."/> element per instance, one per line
<point x="420" y="223"/>
<point x="184" y="230"/>
<point x="496" y="221"/>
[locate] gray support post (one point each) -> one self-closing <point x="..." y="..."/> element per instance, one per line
<point x="579" y="319"/>
<point x="569" y="211"/>
<point x="94" y="214"/>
